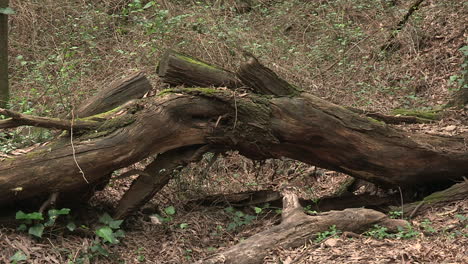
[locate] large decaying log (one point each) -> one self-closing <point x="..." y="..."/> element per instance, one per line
<point x="299" y="126"/>
<point x="297" y="228"/>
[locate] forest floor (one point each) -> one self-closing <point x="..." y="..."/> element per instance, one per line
<point x="62" y="53"/>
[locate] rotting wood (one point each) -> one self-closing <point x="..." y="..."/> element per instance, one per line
<point x="273" y="198"/>
<point x="155" y="176"/>
<point x="455" y="193"/>
<point x="391" y="119"/>
<point x="300" y="126"/>
<point x="297" y="228"/>
<point x="18" y="119"/>
<point x="176" y="68"/>
<point x="263" y="80"/>
<point x="119" y="92"/>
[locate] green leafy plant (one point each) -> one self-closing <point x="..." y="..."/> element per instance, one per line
<point x="167" y="214"/>
<point x="238" y="218"/>
<point x="331" y="232"/>
<point x="459" y="80"/>
<point x="35" y="222"/>
<point x="395" y="214"/>
<point x="140" y="257"/>
<point x="108" y="233"/>
<point x="427" y="226"/>
<point x="17" y="257"/>
<point x="308" y="210"/>
<point x="111" y="231"/>
<point x="406" y="232"/>
<point x="378" y="232"/>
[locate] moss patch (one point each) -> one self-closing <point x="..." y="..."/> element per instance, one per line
<point x="425" y="114"/>
<point x="197" y="62"/>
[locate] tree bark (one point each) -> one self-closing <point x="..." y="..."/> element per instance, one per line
<point x="181" y="69"/>
<point x="134" y="86"/>
<point x="299" y="126"/>
<point x="455" y="193"/>
<point x="297" y="228"/>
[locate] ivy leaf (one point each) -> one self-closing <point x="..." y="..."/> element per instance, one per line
<point x="32" y="216"/>
<point x="170" y="210"/>
<point x="63" y="211"/>
<point x="231" y="226"/>
<point x="71" y="226"/>
<point x="36" y="230"/>
<point x="115" y="224"/>
<point x="99" y="249"/>
<point x="148" y="5"/>
<point x="7" y="11"/>
<point x="105" y="218"/>
<point x="18" y="256"/>
<point x="119" y="233"/>
<point x="107" y="234"/>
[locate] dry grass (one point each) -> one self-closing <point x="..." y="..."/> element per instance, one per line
<point x="64" y="52"/>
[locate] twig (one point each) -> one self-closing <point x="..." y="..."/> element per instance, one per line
<point x="235" y="107"/>
<point x="73" y="147"/>
<point x="416" y="209"/>
<point x="401" y="24"/>
<point x="19" y="119"/>
<point x="49" y="202"/>
<point x="401" y="197"/>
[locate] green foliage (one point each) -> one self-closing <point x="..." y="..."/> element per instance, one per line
<point x="7" y="11"/>
<point x="111" y="231"/>
<point x="140" y="257"/>
<point x="34" y="222"/>
<point x="308" y="210"/>
<point x="378" y="232"/>
<point x="238" y="218"/>
<point x="167" y="214"/>
<point x="406" y="232"/>
<point x="427" y="226"/>
<point x="17" y="257"/>
<point x="395" y="214"/>
<point x="460" y="80"/>
<point x="331" y="232"/>
<point x="21" y="137"/>
<point x="265" y="207"/>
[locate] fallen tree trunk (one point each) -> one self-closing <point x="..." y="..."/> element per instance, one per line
<point x="299" y="126"/>
<point x="455" y="193"/>
<point x="297" y="228"/>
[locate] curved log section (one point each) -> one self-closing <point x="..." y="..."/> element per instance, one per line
<point x="263" y="80"/>
<point x="299" y="126"/>
<point x="180" y="69"/>
<point x="304" y="128"/>
<point x="298" y="228"/>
